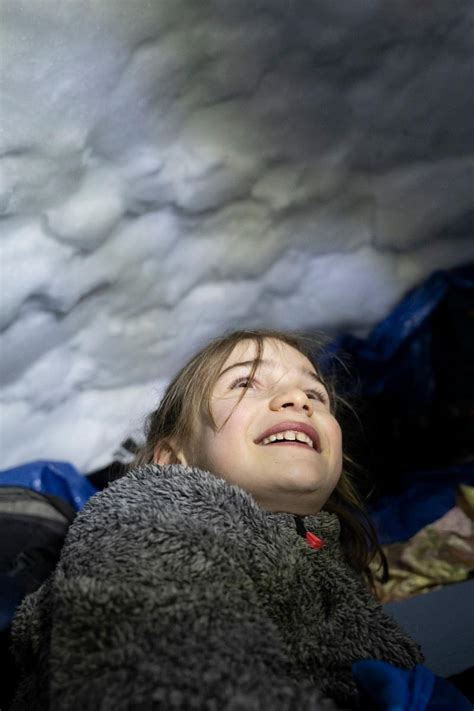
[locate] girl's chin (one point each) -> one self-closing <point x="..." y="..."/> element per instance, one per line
<point x="298" y="477"/>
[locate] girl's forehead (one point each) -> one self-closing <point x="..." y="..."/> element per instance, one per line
<point x="278" y="352"/>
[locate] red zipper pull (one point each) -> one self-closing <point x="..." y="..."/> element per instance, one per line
<point x="313" y="540"/>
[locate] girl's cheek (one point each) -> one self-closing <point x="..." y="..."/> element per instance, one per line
<point x="337" y="434"/>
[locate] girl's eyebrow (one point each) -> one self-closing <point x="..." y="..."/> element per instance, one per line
<point x="271" y="364"/>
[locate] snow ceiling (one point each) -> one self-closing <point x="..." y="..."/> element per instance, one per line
<point x="174" y="168"/>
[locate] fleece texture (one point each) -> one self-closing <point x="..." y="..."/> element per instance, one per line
<point x="175" y="590"/>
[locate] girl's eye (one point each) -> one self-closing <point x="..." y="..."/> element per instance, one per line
<point x="318" y="395"/>
<point x="240" y="381"/>
<point x="313" y="394"/>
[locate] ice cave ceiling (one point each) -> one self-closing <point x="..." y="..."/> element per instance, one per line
<point x="174" y="168"/>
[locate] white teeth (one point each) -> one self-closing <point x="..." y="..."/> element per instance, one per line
<point x="290" y="435"/>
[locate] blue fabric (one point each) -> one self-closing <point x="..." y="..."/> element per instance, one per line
<point x="395" y="358"/>
<point x="395" y="362"/>
<point x="383" y="687"/>
<point x="427" y="495"/>
<point x="49" y="477"/>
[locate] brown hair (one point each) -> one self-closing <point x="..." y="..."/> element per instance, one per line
<point x="188" y="398"/>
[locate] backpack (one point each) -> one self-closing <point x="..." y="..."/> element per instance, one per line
<point x="32" y="530"/>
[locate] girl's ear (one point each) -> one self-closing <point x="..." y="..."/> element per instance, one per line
<point x="165" y="454"/>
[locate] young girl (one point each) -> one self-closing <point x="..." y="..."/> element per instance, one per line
<point x="229" y="569"/>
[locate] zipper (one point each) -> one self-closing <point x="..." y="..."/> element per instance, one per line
<point x="311" y="538"/>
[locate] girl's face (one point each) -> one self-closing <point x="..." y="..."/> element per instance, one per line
<point x="286" y="393"/>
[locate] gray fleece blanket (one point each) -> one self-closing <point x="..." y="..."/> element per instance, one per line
<point x="176" y="591"/>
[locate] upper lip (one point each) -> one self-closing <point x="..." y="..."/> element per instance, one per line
<point x="296" y="427"/>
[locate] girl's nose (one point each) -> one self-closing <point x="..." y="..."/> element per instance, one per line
<point x="293" y="399"/>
